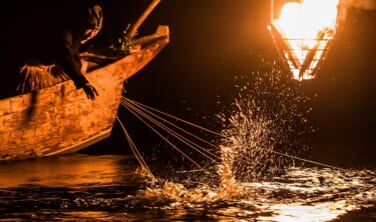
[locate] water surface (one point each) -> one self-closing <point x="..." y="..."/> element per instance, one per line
<point x="82" y="187"/>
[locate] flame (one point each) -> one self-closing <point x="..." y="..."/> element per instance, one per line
<point x="306" y="30"/>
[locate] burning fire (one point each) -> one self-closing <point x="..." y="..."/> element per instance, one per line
<point x="303" y="33"/>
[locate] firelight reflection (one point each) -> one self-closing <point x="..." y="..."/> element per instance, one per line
<point x="84" y="187"/>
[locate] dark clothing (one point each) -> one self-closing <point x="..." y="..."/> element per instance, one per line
<point x="55" y="38"/>
<point x="63" y="50"/>
<point x="69" y="58"/>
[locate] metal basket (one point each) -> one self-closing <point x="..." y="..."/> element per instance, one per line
<point x="302" y="60"/>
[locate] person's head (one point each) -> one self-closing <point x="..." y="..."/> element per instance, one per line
<point x="94" y="23"/>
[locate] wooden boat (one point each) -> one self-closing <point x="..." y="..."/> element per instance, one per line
<point x="60" y="119"/>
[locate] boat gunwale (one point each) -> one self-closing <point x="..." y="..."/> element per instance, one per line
<point x="24" y="101"/>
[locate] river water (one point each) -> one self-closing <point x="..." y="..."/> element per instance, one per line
<point x="249" y="173"/>
<point x="81" y="187"/>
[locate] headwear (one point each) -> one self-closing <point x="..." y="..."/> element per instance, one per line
<point x="95" y="19"/>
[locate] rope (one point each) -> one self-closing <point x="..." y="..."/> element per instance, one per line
<point x="163" y="137"/>
<point x="135" y="151"/>
<point x="179" y="119"/>
<point x="136" y="107"/>
<point x="306" y="160"/>
<point x="191" y="144"/>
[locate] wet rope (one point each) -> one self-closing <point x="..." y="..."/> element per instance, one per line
<point x="135" y="151"/>
<point x="307" y="160"/>
<point x="138" y="115"/>
<point x="178" y="119"/>
<point x="190" y="143"/>
<point x="141" y="108"/>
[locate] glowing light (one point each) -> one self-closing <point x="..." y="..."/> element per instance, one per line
<point x="309" y="213"/>
<point x="303" y="33"/>
<point x="80" y="169"/>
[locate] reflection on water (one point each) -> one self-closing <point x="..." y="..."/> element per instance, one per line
<point x="64" y="171"/>
<point x="106" y="188"/>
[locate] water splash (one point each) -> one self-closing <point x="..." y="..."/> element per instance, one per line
<point x="301" y="194"/>
<point x="269" y="116"/>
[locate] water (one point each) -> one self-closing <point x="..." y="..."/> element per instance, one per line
<point x="250" y="173"/>
<point x="82" y="187"/>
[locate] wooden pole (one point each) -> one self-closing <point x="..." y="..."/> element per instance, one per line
<point x="271" y="10"/>
<point x="133" y="29"/>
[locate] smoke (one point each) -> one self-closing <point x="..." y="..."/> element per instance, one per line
<point x="345" y="5"/>
<point x="359" y="4"/>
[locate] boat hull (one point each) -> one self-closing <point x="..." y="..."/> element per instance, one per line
<point x="61" y="119"/>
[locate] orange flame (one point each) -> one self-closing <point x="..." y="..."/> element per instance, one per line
<point x="306" y="30"/>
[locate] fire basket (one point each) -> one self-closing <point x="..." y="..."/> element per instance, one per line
<point x="301" y="54"/>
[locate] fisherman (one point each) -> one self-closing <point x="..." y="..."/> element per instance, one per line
<point x="68" y="56"/>
<point x="58" y="52"/>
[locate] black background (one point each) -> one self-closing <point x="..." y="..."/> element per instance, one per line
<point x="212" y="41"/>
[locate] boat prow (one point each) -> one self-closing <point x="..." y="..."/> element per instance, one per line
<point x="60" y="119"/>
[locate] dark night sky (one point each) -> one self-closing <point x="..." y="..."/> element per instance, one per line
<point x="212" y="41"/>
